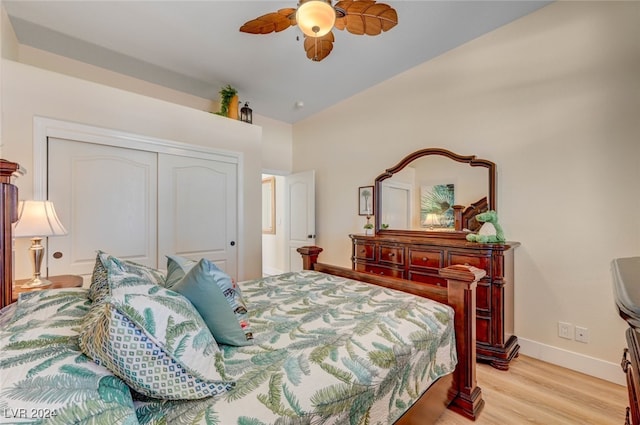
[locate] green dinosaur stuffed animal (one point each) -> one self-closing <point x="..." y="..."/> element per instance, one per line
<point x="490" y="219"/>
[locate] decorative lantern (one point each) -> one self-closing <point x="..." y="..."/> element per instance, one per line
<point x="246" y="114"/>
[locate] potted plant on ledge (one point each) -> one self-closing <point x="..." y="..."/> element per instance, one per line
<point x="228" y="102"/>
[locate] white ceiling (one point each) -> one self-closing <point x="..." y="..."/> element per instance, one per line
<point x="195" y="46"/>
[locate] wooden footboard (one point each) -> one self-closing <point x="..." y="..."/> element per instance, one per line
<point x="463" y="395"/>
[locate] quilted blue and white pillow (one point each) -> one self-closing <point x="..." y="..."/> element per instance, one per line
<point x="153" y="339"/>
<point x="100" y="285"/>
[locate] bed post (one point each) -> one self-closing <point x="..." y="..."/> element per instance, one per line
<point x="309" y="256"/>
<point x="8" y="216"/>
<point x="465" y="393"/>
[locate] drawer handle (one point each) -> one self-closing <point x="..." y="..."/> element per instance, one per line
<point x="624" y="364"/>
<point x="424" y="258"/>
<point x="363" y="251"/>
<point x="391" y="254"/>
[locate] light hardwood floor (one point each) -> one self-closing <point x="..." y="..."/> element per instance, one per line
<point x="535" y="392"/>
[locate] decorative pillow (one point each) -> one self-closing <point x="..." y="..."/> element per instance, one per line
<point x="42" y="366"/>
<point x="99" y="284"/>
<point x="219" y="301"/>
<point x="177" y="268"/>
<point x="153" y="339"/>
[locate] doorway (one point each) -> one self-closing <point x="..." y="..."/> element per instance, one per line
<point x="273" y="240"/>
<point x="292" y="201"/>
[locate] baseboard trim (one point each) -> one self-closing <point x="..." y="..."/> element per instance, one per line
<point x="579" y="362"/>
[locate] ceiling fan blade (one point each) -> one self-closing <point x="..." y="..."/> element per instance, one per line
<point x="366" y="17"/>
<point x="274" y="21"/>
<point x="318" y="48"/>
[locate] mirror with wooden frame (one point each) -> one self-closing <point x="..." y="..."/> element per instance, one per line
<point x="434" y="192"/>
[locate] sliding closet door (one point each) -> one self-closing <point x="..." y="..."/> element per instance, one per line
<point x="106" y="197"/>
<point x="197" y="210"/>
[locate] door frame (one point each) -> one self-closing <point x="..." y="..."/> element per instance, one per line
<point x="43" y="128"/>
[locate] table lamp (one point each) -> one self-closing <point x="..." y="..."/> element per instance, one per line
<point x="431" y="220"/>
<point x="37" y="219"/>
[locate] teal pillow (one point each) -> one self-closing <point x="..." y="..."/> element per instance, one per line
<point x="219" y="301"/>
<point x="177" y="268"/>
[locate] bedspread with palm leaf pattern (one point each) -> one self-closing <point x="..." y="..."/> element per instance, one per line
<point x="44" y="377"/>
<point x="328" y="350"/>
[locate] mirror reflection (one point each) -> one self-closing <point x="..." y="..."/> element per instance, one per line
<point x="420" y="195"/>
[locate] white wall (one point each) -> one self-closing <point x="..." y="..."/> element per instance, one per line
<point x="28" y="91"/>
<point x="553" y="99"/>
<point x="276" y="135"/>
<point x="125" y="103"/>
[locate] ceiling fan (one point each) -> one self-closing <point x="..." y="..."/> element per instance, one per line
<point x="317" y="18"/>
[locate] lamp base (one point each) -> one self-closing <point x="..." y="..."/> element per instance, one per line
<point x="36" y="282"/>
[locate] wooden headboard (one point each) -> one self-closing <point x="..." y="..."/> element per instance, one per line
<point x="8" y="216"/>
<point x="465" y="218"/>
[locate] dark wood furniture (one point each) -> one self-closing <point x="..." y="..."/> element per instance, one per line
<point x="417" y="254"/>
<point x="458" y="391"/>
<point x="57" y="282"/>
<point x="8" y="216"/>
<point x="626" y="284"/>
<point x="419" y="259"/>
<point x="464" y="215"/>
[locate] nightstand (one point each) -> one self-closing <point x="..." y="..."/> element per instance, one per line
<point x="62" y="281"/>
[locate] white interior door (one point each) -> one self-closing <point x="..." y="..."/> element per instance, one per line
<point x="397" y="198"/>
<point x="300" y="204"/>
<point x="197" y="210"/>
<point x="105" y="196"/>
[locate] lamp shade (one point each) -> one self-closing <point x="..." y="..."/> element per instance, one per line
<point x="36" y="219"/>
<point x="431" y="220"/>
<point x="316" y="17"/>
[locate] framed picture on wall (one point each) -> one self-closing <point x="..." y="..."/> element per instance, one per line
<point x="436" y="206"/>
<point x="365" y="200"/>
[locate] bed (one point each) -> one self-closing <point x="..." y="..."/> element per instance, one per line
<point x="330" y="346"/>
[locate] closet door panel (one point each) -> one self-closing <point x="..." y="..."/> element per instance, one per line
<point x="106" y="197"/>
<point x="197" y="210"/>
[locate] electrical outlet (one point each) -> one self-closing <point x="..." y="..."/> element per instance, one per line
<point x="565" y="330"/>
<point x="582" y="334"/>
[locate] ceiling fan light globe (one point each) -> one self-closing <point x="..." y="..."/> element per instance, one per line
<point x="316" y="17"/>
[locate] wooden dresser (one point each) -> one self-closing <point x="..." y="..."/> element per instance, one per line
<point x="419" y="258"/>
<point x="626" y="285"/>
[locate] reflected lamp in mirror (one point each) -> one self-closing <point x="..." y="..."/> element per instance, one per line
<point x="431" y="220"/>
<point x="37" y="219"/>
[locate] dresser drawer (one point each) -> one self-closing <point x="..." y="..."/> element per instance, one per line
<point x="432" y="259"/>
<point x="392" y="254"/>
<point x="364" y="251"/>
<point x="379" y="270"/>
<point x="427" y="278"/>
<point x="480" y="261"/>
